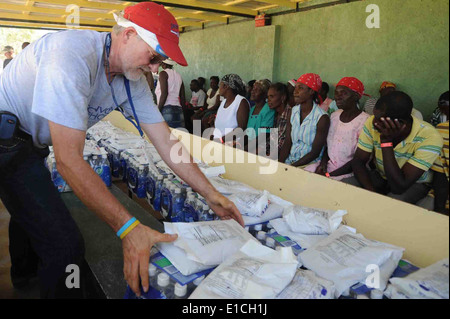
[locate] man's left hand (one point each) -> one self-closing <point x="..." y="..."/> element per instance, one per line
<point x="224" y="208"/>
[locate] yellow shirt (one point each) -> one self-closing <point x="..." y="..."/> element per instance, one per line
<point x="441" y="164"/>
<point x="420" y="149"/>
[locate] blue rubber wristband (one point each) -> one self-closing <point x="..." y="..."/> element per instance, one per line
<point x="124" y="227"/>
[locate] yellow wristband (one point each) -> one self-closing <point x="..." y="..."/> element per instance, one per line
<point x="132" y="226"/>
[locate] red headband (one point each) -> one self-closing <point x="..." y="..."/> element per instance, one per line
<point x="353" y="84"/>
<point x="313" y="81"/>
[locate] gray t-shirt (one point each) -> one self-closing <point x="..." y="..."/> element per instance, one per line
<point x="61" y="78"/>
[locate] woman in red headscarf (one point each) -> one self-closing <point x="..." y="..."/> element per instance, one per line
<point x="309" y="123"/>
<point x="346" y="124"/>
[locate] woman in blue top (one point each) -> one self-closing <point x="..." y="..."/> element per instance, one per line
<point x="309" y="123"/>
<point x="261" y="115"/>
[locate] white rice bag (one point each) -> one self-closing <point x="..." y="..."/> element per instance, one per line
<point x="251" y="204"/>
<point x="207" y="243"/>
<point x="180" y="260"/>
<point x="272" y="212"/>
<point x="254" y="272"/>
<point x="228" y="186"/>
<point x="305" y="241"/>
<point x="347" y="258"/>
<point x="431" y="282"/>
<point x="306" y="285"/>
<point x="312" y="221"/>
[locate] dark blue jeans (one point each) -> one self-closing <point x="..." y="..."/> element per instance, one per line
<point x="173" y="115"/>
<point x="43" y="235"/>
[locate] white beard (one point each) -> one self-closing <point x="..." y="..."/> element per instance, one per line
<point x="134" y="75"/>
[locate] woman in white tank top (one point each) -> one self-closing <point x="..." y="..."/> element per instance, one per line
<point x="233" y="111"/>
<point x="170" y="95"/>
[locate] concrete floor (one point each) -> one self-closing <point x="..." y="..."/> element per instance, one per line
<point x="7" y="290"/>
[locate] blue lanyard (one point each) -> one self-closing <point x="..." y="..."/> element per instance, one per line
<point x="127" y="87"/>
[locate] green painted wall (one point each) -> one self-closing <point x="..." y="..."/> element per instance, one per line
<point x="411" y="48"/>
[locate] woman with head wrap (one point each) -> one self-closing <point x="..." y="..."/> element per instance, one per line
<point x="346" y="124"/>
<point x="233" y="110"/>
<point x="261" y="115"/>
<point x="309" y="123"/>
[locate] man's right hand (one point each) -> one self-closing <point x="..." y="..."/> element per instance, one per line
<point x="136" y="255"/>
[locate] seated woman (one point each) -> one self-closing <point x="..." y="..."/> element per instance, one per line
<point x="212" y="103"/>
<point x="261" y="115"/>
<point x="233" y="110"/>
<point x="309" y="123"/>
<point x="279" y="144"/>
<point x="346" y="125"/>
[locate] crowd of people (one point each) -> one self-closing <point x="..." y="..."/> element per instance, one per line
<point x="383" y="145"/>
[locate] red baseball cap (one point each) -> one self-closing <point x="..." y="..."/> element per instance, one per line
<point x="156" y="19"/>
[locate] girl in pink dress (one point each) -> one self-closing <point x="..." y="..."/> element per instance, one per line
<point x="346" y="124"/>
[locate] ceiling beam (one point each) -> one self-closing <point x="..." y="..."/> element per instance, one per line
<point x="53" y="26"/>
<point x="199" y="16"/>
<point x="61" y="12"/>
<point x="36" y="18"/>
<point x="210" y="7"/>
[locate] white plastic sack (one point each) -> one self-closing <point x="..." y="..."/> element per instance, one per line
<point x="180" y="260"/>
<point x="306" y="285"/>
<point x="254" y="272"/>
<point x="251" y="203"/>
<point x="313" y="221"/>
<point x="207" y="243"/>
<point x="347" y="258"/>
<point x="305" y="241"/>
<point x="272" y="212"/>
<point x="228" y="186"/>
<point x="431" y="282"/>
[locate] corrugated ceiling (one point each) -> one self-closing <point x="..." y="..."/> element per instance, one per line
<point x="98" y="14"/>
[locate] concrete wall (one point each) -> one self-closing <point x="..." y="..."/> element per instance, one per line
<point x="411" y="48"/>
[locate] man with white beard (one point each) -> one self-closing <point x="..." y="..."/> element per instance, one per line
<point x="57" y="88"/>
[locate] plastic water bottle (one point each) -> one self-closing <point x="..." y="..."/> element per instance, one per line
<point x="153" y="275"/>
<point x="164" y="286"/>
<point x="141" y="181"/>
<point x="132" y="176"/>
<point x="193" y="285"/>
<point x="166" y="199"/>
<point x="255" y="229"/>
<point x="261" y="236"/>
<point x="150" y="186"/>
<point x="123" y="166"/>
<point x="158" y="190"/>
<point x="204" y="214"/>
<point x="190" y="213"/>
<point x="180" y="291"/>
<point x="115" y="164"/>
<point x="177" y="206"/>
<point x="103" y="169"/>
<point x="270" y="242"/>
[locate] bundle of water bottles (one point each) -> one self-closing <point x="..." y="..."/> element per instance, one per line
<point x="137" y="163"/>
<point x="95" y="156"/>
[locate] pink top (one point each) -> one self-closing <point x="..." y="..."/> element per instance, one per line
<point x="174" y="82"/>
<point x="342" y="141"/>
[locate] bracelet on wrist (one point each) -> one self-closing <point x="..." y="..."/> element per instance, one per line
<point x="387" y="144"/>
<point x="127" y="228"/>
